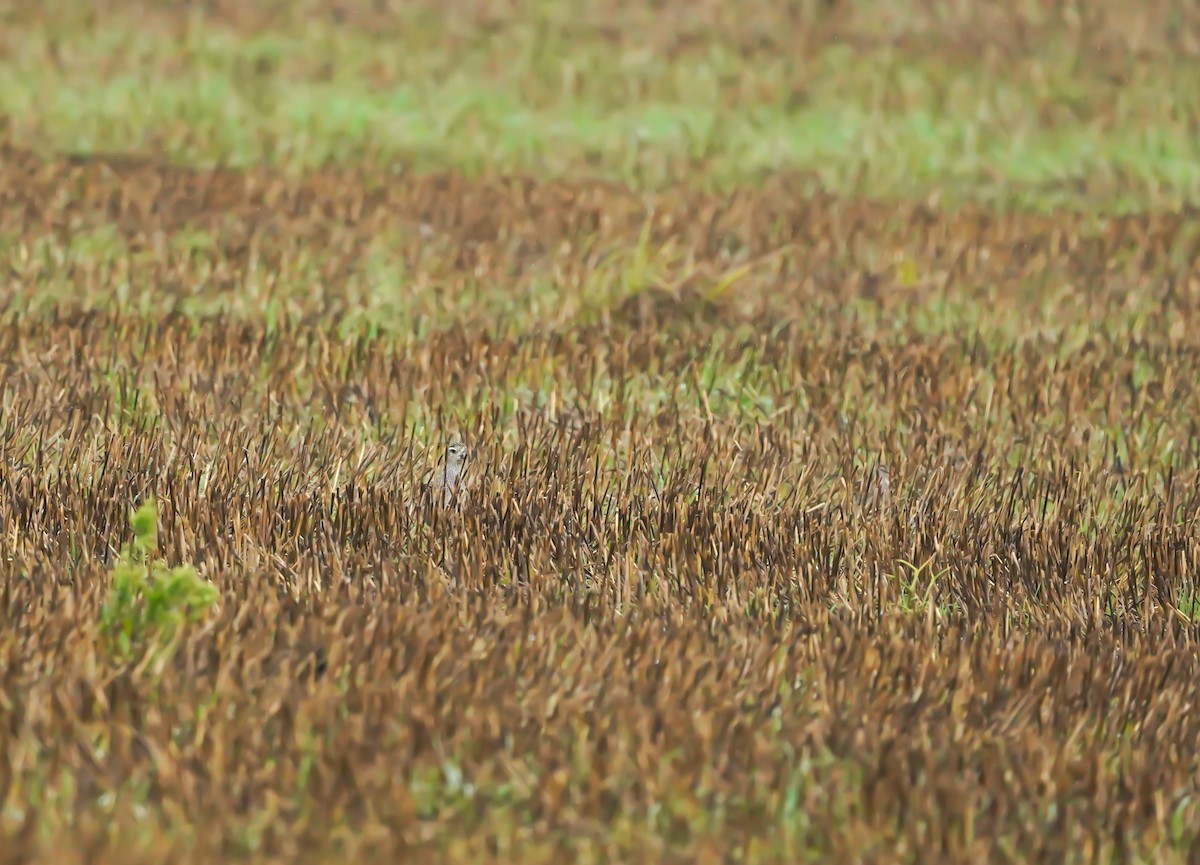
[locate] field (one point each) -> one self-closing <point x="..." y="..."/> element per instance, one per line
<point x="829" y="374"/>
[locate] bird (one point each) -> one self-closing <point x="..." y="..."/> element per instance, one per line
<point x="448" y="477"/>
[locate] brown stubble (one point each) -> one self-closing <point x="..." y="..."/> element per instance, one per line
<point x="799" y="246"/>
<point x="680" y="608"/>
<point x="1110" y="33"/>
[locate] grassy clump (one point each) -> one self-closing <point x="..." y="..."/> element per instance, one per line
<point x="149" y="602"/>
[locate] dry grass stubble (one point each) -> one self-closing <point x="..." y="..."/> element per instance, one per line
<point x="671" y="615"/>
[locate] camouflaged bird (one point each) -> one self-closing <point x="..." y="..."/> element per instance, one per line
<point x="447" y="478"/>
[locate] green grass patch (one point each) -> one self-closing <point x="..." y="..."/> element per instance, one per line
<point x="877" y="121"/>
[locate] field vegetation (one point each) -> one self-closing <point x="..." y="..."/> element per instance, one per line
<point x="829" y="374"/>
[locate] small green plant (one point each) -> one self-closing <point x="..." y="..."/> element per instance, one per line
<point x="912" y="599"/>
<point x="1188" y="607"/>
<point x="149" y="602"/>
